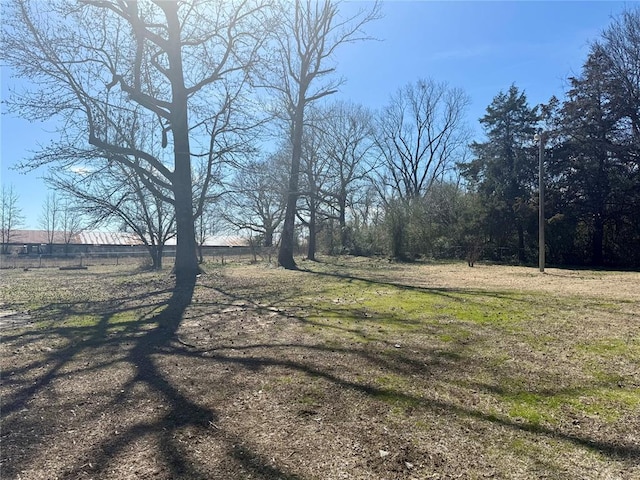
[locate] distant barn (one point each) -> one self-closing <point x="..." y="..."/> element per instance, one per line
<point x="36" y="242"/>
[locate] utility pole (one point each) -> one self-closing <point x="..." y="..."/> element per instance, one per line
<point x="540" y="139"/>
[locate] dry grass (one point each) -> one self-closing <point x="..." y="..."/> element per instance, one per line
<point x="351" y="369"/>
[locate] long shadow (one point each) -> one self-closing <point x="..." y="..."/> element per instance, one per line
<point x="255" y="363"/>
<point x="149" y="337"/>
<point x="78" y="338"/>
<point x="183" y="412"/>
<point x="17" y="418"/>
<point x="447" y="292"/>
<point x="613" y="450"/>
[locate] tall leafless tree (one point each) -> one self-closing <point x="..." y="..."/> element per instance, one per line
<point x="11" y="217"/>
<point x="181" y="65"/>
<point x="207" y="225"/>
<point x="421" y="134"/>
<point x="314" y="182"/>
<point x="309" y="33"/>
<point x="50" y="219"/>
<point x="349" y="143"/>
<point x="256" y="196"/>
<point x="72" y="222"/>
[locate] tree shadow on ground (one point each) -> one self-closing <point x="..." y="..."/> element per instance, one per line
<point x="618" y="451"/>
<point x="155" y="336"/>
<point x="614" y="450"/>
<point x="149" y="337"/>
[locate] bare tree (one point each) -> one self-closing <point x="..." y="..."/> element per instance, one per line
<point x="50" y="219"/>
<point x="256" y="196"/>
<point x="207" y="225"/>
<point x="115" y="195"/>
<point x="181" y="66"/>
<point x="314" y="182"/>
<point x="421" y="134"/>
<point x="349" y="138"/>
<point x="11" y="217"/>
<point x="71" y="223"/>
<point x="308" y="35"/>
<point x="620" y="43"/>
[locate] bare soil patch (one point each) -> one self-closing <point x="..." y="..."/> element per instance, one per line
<point x="351" y="369"/>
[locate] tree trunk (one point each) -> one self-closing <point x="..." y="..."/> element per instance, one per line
<point x="285" y="255"/>
<point x="268" y="237"/>
<point x="342" y="219"/>
<point x="597" y="241"/>
<point x="186" y="265"/>
<point x="311" y="246"/>
<point x="522" y="257"/>
<point x="159" y="252"/>
<point x="156" y="256"/>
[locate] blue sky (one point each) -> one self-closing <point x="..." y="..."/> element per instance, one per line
<point x="480" y="46"/>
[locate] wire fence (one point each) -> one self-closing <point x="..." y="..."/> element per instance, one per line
<point x="78" y="260"/>
<point x="219" y="255"/>
<point x="142" y="258"/>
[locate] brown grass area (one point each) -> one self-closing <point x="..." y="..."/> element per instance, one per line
<point x="351" y="369"/>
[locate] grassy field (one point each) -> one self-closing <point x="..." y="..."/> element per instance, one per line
<point x="348" y="369"/>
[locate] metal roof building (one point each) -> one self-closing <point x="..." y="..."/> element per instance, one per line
<point x="40" y="237"/>
<point x="96" y="238"/>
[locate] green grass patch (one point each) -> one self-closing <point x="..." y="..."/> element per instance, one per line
<point x="610" y="347"/>
<point x="75" y="320"/>
<point x="393" y="309"/>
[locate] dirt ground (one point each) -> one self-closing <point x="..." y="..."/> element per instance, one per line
<point x="353" y="369"/>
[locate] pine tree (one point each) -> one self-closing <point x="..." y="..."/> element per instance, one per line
<point x="505" y="166"/>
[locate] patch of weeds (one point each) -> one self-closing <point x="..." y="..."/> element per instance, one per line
<point x="545" y="457"/>
<point x="627" y="398"/>
<point x="285" y="379"/>
<point x="609" y="347"/>
<point x="82" y="320"/>
<point x="454" y="333"/>
<point x="608" y="405"/>
<point x="531" y="405"/>
<point x="532" y="408"/>
<point x="486" y="309"/>
<point x="610" y="401"/>
<point x="122" y="321"/>
<point x="72" y="320"/>
<point x="499" y="359"/>
<point x="519" y="446"/>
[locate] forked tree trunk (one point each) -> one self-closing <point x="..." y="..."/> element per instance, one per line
<point x="155" y="252"/>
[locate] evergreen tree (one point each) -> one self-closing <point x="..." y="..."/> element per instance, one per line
<point x="593" y="164"/>
<point x="504" y="170"/>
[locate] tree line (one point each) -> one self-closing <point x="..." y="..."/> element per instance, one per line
<point x="186" y="118"/>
